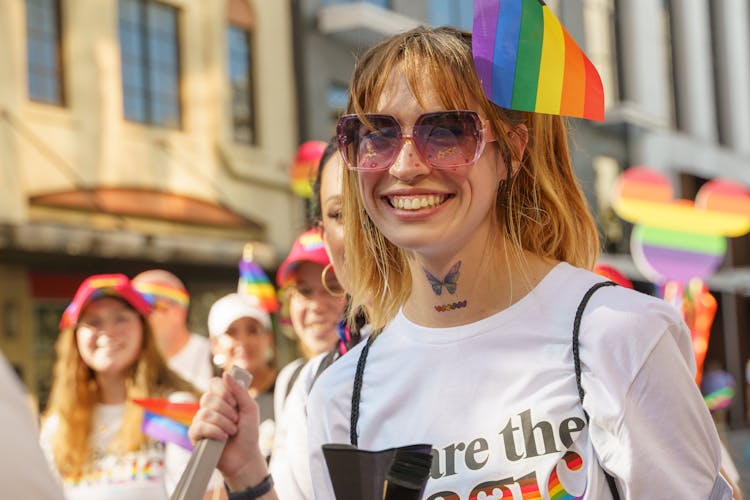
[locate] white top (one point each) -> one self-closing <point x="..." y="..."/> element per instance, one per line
<point x="290" y="461"/>
<point x="193" y="362"/>
<point x="497" y="400"/>
<point x="23" y="469"/>
<point x="147" y="474"/>
<point x="281" y="386"/>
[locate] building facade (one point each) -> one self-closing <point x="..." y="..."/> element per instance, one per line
<point x="137" y="134"/>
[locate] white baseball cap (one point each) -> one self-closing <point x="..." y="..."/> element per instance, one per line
<point x="232" y="307"/>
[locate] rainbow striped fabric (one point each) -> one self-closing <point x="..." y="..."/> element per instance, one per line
<point x="527" y="61"/>
<point x="158" y="294"/>
<point x="253" y="281"/>
<point x="168" y="421"/>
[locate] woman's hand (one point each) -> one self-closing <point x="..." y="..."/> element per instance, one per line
<point x="228" y="413"/>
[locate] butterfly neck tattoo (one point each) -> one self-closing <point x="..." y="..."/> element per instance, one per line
<point x="450" y="282"/>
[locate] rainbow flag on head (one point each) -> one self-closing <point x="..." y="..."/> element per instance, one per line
<point x="527" y="61"/>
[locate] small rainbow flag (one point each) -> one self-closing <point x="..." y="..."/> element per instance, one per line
<point x="527" y="61"/>
<point x="168" y="421"/>
<point x="253" y="281"/>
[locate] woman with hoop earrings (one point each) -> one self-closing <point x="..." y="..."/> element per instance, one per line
<point x="316" y="304"/>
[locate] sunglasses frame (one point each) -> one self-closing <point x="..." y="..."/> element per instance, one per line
<point x="343" y="141"/>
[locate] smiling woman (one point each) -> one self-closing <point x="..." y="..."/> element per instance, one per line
<point x="106" y="356"/>
<point x="472" y="242"/>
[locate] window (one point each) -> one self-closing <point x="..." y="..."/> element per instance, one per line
<point x="44" y="70"/>
<point x="666" y="20"/>
<point x="337" y="96"/>
<point x="241" y="21"/>
<point x="150" y="62"/>
<point x="239" y="45"/>
<point x="457" y="13"/>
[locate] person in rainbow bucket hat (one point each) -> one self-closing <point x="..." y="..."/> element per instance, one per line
<point x="92" y="429"/>
<point x="315" y="305"/>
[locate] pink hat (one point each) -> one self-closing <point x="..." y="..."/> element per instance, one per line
<point x="308" y="247"/>
<point x="103" y="285"/>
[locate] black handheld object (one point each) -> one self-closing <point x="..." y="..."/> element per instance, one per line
<point x="362" y="474"/>
<point x="407" y="475"/>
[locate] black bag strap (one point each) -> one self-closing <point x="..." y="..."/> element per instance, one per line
<point x="357" y="391"/>
<point x="577" y="365"/>
<point x="293" y="379"/>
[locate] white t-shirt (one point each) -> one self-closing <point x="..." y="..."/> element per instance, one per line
<point x="497" y="400"/>
<point x="23" y="470"/>
<point x="193" y="362"/>
<point x="147" y="474"/>
<point x="281" y="389"/>
<point x="290" y="460"/>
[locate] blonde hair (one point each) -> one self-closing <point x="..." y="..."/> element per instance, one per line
<point x="75" y="393"/>
<point x="539" y="209"/>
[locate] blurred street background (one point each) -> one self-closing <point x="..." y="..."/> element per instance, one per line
<point x="137" y="134"/>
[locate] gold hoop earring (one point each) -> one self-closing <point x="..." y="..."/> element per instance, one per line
<point x="323" y="274"/>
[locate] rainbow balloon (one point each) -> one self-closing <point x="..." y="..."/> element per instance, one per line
<point x="680" y="243"/>
<point x="526" y="60"/>
<point x="718" y="389"/>
<point x="305" y="167"/>
<point x="679" y="239"/>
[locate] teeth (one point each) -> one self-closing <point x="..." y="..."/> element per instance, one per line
<point x="417" y="202"/>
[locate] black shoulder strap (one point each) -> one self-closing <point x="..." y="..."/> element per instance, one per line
<point x="357" y="391"/>
<point x="577" y="364"/>
<point x="293" y="379"/>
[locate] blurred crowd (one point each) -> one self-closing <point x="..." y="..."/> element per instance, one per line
<point x="125" y="347"/>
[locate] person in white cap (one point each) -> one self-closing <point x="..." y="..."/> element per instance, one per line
<point x="241" y="334"/>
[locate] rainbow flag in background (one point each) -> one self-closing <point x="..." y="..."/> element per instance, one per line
<point x="253" y="281"/>
<point x="168" y="421"/>
<point x="527" y="61"/>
